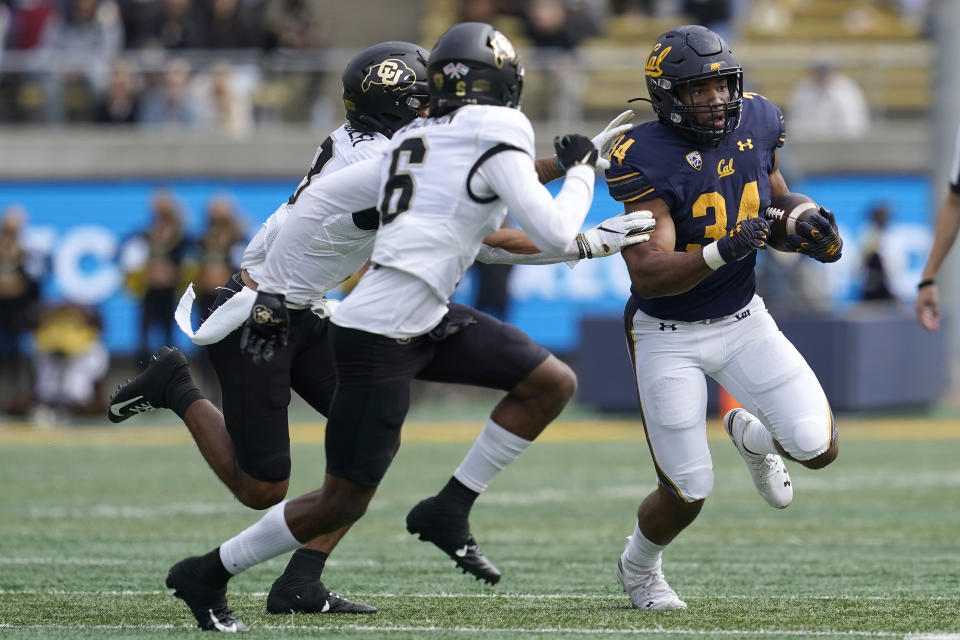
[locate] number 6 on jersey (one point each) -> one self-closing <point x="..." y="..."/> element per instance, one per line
<point x="398" y="190"/>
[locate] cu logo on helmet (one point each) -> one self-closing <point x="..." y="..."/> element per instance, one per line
<point x="389" y="73"/>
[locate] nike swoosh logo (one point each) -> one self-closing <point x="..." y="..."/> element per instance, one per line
<point x="462" y="552"/>
<point x="115" y="408"/>
<point x="226" y="628"/>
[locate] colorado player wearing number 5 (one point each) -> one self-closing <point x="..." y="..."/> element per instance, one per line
<point x="706" y="168"/>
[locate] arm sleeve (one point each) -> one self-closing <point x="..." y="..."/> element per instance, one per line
<point x="352" y="188"/>
<point x="551" y="223"/>
<point x="496" y="255"/>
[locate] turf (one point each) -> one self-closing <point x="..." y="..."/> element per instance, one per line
<point x="90" y="520"/>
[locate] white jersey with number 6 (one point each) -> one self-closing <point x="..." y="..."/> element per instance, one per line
<point x="446" y="183"/>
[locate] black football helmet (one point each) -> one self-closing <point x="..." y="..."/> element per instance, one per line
<point x="385" y="85"/>
<point x="688" y="54"/>
<point x="473" y="63"/>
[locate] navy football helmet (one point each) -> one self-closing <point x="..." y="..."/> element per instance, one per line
<point x="473" y="63"/>
<point x="384" y="86"/>
<point x="688" y="54"/>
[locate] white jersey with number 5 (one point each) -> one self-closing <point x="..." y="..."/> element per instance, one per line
<point x="446" y="183"/>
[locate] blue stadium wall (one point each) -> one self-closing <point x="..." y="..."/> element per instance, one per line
<point x="82" y="224"/>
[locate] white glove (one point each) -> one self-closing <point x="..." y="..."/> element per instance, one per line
<point x="604" y="140"/>
<point x="614" y="234"/>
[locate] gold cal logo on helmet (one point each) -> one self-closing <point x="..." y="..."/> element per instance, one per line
<point x="389" y="73"/>
<point x="653" y="62"/>
<point x="502" y="49"/>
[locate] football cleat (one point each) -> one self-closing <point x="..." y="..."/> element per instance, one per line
<point x="297" y="595"/>
<point x="208" y="603"/>
<point x="145" y="392"/>
<point x="450" y="532"/>
<point x="769" y="474"/>
<point x="648" y="589"/>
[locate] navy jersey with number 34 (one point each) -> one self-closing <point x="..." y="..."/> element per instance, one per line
<point x="708" y="191"/>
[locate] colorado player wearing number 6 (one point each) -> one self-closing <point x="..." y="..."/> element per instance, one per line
<point x="447" y="185"/>
<point x="706" y="168"/>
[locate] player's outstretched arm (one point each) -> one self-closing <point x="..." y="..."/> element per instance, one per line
<point x="945" y="234"/>
<point x="552" y="223"/>
<point x="514" y="246"/>
<point x="549" y="169"/>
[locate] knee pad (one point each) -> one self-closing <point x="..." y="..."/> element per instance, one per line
<point x="690" y="486"/>
<point x="810" y="438"/>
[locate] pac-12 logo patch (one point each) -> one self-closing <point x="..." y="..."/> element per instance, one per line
<point x="392" y="73"/>
<point x="694" y="160"/>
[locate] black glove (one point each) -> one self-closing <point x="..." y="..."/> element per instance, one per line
<point x="265" y="331"/>
<point x="748" y="236"/>
<point x="820" y="238"/>
<point x="573" y="149"/>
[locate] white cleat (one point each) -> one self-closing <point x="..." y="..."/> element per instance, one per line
<point x="769" y="474"/>
<point x="647" y="589"/>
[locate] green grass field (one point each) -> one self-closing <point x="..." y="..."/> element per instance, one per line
<point x="91" y="518"/>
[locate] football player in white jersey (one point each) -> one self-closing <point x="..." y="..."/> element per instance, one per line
<point x="474" y="83"/>
<point x="250" y="453"/>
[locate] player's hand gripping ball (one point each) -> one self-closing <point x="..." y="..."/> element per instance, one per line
<point x="800" y="225"/>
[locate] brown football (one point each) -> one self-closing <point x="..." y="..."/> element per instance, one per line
<point x="783" y="214"/>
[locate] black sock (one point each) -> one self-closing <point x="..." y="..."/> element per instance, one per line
<point x="456" y="494"/>
<point x="306" y="563"/>
<point x="212" y="570"/>
<point x="181" y="392"/>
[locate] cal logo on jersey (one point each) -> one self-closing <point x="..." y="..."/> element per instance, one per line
<point x="389" y="73"/>
<point x="694" y="160"/>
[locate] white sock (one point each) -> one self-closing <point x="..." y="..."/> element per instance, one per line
<point x="641" y="552"/>
<point x="265" y="539"/>
<point x="493" y="450"/>
<point x="757" y="439"/>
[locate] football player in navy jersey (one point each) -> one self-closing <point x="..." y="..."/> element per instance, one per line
<point x="706" y="168"/>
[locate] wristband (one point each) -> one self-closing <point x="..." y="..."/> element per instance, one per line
<point x="583" y="246"/>
<point x="711" y="255"/>
<point x="926" y="283"/>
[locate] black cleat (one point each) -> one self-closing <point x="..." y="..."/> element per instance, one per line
<point x="297" y="595"/>
<point x="208" y="603"/>
<point x="146" y="391"/>
<point x="450" y="531"/>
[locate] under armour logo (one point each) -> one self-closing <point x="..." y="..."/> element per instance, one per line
<point x="664" y="325"/>
<point x="745" y="145"/>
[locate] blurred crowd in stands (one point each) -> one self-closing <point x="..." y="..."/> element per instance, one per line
<point x="53" y="361"/>
<point x="230" y="65"/>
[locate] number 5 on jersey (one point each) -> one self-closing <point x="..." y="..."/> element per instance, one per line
<point x="398" y="191"/>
